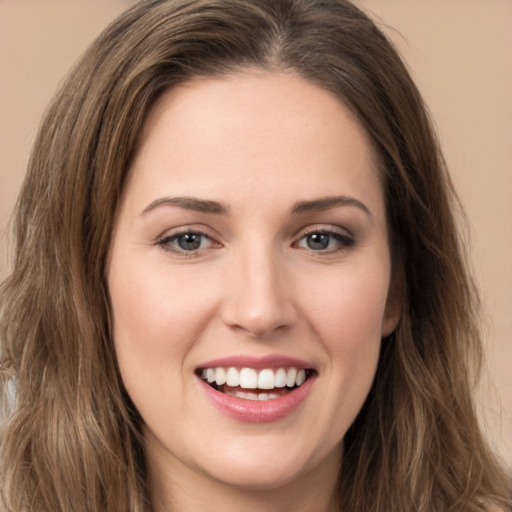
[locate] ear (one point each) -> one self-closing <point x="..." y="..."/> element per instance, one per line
<point x="394" y="303"/>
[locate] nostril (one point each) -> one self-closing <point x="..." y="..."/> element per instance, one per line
<point x="258" y="323"/>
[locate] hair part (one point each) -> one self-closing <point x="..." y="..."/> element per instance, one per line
<point x="73" y="439"/>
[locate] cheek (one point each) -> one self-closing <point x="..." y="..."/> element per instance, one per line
<point x="349" y="306"/>
<point x="157" y="317"/>
<point x="346" y="313"/>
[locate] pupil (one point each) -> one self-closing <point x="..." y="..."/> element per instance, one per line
<point x="189" y="242"/>
<point x="318" y="241"/>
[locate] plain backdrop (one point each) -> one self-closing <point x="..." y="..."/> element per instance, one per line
<point x="459" y="52"/>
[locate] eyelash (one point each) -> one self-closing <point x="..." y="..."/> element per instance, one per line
<point x="166" y="242"/>
<point x="343" y="241"/>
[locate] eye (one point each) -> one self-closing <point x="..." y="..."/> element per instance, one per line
<point x="186" y="242"/>
<point x="325" y="241"/>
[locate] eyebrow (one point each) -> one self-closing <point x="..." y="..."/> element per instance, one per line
<point x="189" y="203"/>
<point x="326" y="203"/>
<point x="214" y="207"/>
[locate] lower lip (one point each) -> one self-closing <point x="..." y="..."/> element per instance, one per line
<point x="255" y="411"/>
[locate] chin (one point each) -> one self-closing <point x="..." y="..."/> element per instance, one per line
<point x="272" y="469"/>
<point x="256" y="476"/>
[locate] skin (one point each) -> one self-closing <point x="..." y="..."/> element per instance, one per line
<point x="258" y="143"/>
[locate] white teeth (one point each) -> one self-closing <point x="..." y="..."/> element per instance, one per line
<point x="252" y="396"/>
<point x="220" y="376"/>
<point x="249" y="378"/>
<point x="266" y="379"/>
<point x="233" y="377"/>
<point x="290" y="377"/>
<point x="280" y="378"/>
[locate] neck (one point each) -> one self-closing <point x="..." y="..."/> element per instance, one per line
<point x="182" y="489"/>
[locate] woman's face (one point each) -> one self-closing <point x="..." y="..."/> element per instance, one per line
<point x="251" y="245"/>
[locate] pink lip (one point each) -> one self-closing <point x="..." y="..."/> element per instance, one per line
<point x="258" y="363"/>
<point x="254" y="411"/>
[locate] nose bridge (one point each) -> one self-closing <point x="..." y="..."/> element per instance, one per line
<point x="258" y="298"/>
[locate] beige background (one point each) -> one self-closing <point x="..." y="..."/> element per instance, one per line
<point x="460" y="54"/>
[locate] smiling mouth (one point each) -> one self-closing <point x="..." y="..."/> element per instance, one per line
<point x="252" y="384"/>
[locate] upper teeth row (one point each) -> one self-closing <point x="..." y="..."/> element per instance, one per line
<point x="249" y="378"/>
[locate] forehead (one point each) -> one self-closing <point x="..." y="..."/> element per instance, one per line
<point x="256" y="132"/>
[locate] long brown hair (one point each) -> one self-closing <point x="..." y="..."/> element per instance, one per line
<point x="72" y="440"/>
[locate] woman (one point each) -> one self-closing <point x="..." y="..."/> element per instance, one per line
<point x="238" y="282"/>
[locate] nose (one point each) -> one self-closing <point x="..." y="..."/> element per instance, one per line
<point x="259" y="295"/>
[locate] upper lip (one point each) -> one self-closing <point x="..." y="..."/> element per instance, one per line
<point x="257" y="362"/>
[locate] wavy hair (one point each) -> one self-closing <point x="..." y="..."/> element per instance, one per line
<point x="72" y="440"/>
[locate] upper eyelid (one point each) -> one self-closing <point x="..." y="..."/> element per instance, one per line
<point x="183" y="230"/>
<point x="323" y="228"/>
